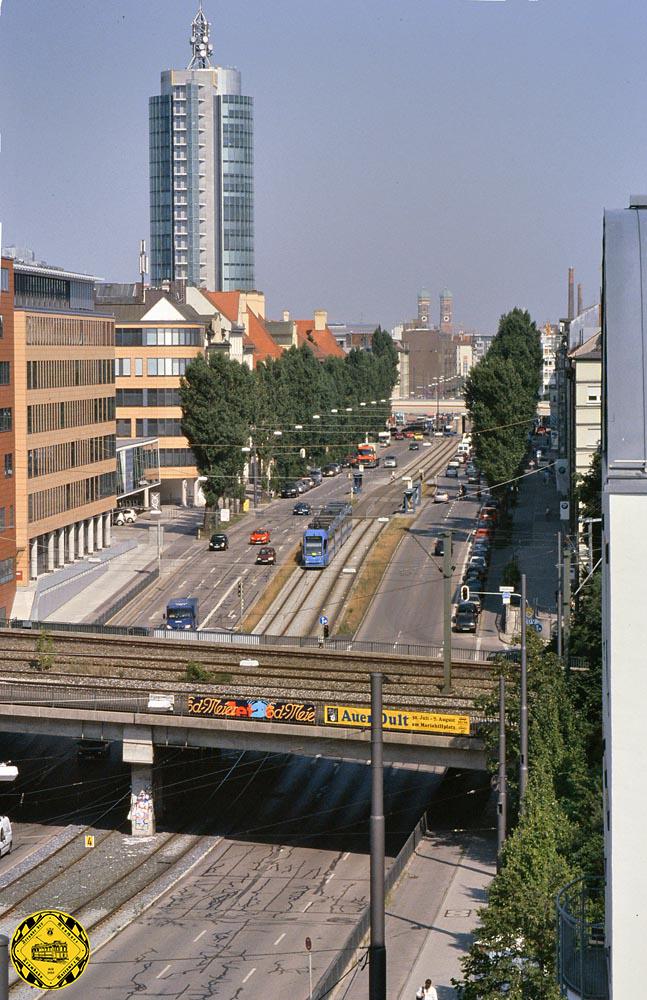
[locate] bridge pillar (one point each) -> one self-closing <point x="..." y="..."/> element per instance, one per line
<point x="71" y="541"/>
<point x="138" y="751"/>
<point x="90" y="535"/>
<point x="98" y="531"/>
<point x="61" y="546"/>
<point x="33" y="558"/>
<point x="80" y="539"/>
<point x="107" y="537"/>
<point x="51" y="561"/>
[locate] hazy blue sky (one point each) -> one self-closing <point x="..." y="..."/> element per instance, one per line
<point x="399" y="143"/>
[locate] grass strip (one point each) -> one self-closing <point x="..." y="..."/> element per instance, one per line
<point x="370" y="575"/>
<point x="272" y="591"/>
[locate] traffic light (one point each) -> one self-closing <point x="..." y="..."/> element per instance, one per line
<point x="240" y="588"/>
<point x="326" y="631"/>
<point x="465" y="592"/>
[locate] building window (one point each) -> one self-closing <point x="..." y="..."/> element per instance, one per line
<point x="4" y="286"/>
<point x="1" y="327"/>
<point x="122" y="366"/>
<point x="11" y="516"/>
<point x="124" y="428"/>
<point x="8" y="464"/>
<point x="594" y="395"/>
<point x="5" y="418"/>
<point x="167" y="366"/>
<point x="5" y="372"/>
<point x="139" y="366"/>
<point x="7" y="570"/>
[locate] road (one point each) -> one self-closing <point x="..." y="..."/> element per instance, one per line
<point x="292" y="862"/>
<point x="189" y="569"/>
<point x="408" y="605"/>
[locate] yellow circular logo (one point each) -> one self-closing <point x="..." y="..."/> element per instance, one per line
<point x="50" y="950"/>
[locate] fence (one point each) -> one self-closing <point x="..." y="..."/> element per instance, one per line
<point x="334" y="645"/>
<point x="581" y="955"/>
<point x="336" y="969"/>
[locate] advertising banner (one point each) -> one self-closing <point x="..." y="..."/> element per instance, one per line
<point x="398" y="719"/>
<point x="253" y="709"/>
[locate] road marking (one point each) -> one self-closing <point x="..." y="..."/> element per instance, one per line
<point x="329" y="877"/>
<point x="223" y="598"/>
<point x="160" y="974"/>
<point x="346" y="856"/>
<point x="213" y="570"/>
<point x="201" y="582"/>
<point x="183" y="584"/>
<point x="308" y="905"/>
<point x="201" y="934"/>
<point x="279" y="939"/>
<point x="249" y="974"/>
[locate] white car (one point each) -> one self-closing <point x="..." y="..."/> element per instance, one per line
<point x="6" y="836"/>
<point x="125" y="515"/>
<point x="441" y="497"/>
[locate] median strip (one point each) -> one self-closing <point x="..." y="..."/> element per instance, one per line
<point x="370" y="574"/>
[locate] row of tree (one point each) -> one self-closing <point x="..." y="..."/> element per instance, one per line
<point x="558" y="835"/>
<point x="282" y="412"/>
<point x="501" y="394"/>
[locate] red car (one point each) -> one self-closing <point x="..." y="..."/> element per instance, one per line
<point x="267" y="556"/>
<point x="484" y="532"/>
<point x="259" y="537"/>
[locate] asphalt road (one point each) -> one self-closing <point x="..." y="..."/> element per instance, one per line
<point x="292" y="862"/>
<point x="190" y="570"/>
<point x="408" y="605"/>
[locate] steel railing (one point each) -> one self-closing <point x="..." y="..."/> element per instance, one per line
<point x="581" y="954"/>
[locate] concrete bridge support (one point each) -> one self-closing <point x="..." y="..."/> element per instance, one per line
<point x="138" y="751"/>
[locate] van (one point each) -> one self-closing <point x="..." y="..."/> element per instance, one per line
<point x="464" y="448"/>
<point x="6" y="836"/>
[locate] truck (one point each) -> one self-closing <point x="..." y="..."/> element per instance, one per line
<point x="182" y="613"/>
<point x="367" y="456"/>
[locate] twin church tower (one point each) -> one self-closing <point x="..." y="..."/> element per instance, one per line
<point x="201" y="133"/>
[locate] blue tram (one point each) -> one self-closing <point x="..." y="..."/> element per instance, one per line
<point x="326" y="534"/>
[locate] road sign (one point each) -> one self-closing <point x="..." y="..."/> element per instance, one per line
<point x="89" y="840"/>
<point x="505" y="597"/>
<point x="506" y="590"/>
<point x="323" y="620"/>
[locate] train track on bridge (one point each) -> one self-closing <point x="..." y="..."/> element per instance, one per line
<point x="138" y="666"/>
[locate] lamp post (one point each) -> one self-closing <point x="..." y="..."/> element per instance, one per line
<point x="523" y="701"/>
<point x="377" y="948"/>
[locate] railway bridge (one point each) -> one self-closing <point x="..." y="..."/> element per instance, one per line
<point x="146" y="692"/>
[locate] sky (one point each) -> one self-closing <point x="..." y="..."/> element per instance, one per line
<point x="399" y="144"/>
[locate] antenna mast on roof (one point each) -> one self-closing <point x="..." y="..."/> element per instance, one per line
<point x="201" y="47"/>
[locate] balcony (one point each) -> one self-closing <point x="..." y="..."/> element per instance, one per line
<point x="581" y="954"/>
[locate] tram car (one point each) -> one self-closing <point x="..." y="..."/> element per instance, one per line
<point x="50" y="951"/>
<point x="326" y="534"/>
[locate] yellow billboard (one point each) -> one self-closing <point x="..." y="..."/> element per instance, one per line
<point x="398" y="719"/>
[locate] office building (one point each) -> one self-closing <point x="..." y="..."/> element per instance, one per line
<point x="63" y="419"/>
<point x="7" y="444"/>
<point x="202" y="174"/>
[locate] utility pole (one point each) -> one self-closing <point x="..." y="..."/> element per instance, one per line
<point x="241" y="594"/>
<point x="4" y="967"/>
<point x="559" y="593"/>
<point x="502" y="793"/>
<point x="566" y="596"/>
<point x="523" y="702"/>
<point x="447" y="612"/>
<point x="377" y="948"/>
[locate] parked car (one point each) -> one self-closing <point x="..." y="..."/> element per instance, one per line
<point x="218" y="541"/>
<point x="125" y="515"/>
<point x="302" y="508"/>
<point x="266" y="556"/>
<point x="260" y="536"/>
<point x="302" y="486"/>
<point x="329" y="470"/>
<point x="479" y="562"/>
<point x="315" y="475"/>
<point x="309" y="482"/>
<point x="474" y="600"/>
<point x="451" y="472"/>
<point x="484" y="531"/>
<point x="471" y="605"/>
<point x="390" y="462"/>
<point x="441" y="497"/>
<point x="482" y="548"/>
<point x="289" y="490"/>
<point x="414" y="446"/>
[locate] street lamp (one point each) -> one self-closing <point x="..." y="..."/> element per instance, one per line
<point x="251" y="451"/>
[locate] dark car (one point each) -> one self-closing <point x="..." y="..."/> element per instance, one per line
<point x="218" y="541"/>
<point x="465" y="621"/>
<point x="482" y="549"/>
<point x="475" y="600"/>
<point x="302" y="508"/>
<point x="266" y="556"/>
<point x="451" y="472"/>
<point x="329" y="470"/>
<point x="414" y="446"/>
<point x="289" y="490"/>
<point x="473" y="477"/>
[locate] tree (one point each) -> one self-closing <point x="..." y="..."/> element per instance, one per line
<point x="218" y="403"/>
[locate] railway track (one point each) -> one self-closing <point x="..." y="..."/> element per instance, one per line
<point x="295" y="610"/>
<point x="88" y="666"/>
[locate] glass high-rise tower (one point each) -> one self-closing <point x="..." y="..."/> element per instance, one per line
<point x="202" y="174"/>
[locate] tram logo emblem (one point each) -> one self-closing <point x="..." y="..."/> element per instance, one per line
<point x="50" y="950"/>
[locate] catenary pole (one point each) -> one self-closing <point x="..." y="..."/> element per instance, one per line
<point x="377" y="948"/>
<point x="502" y="795"/>
<point x="523" y="704"/>
<point x="447" y="612"/>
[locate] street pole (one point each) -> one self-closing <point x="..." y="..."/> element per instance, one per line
<point x="437" y="403"/>
<point x="242" y="598"/>
<point x="502" y="795"/>
<point x="159" y="548"/>
<point x="4" y="967"/>
<point x="447" y="613"/>
<point x="255" y="477"/>
<point x="523" y="706"/>
<point x="377" y="949"/>
<point x="566" y="609"/>
<point x="559" y="594"/>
